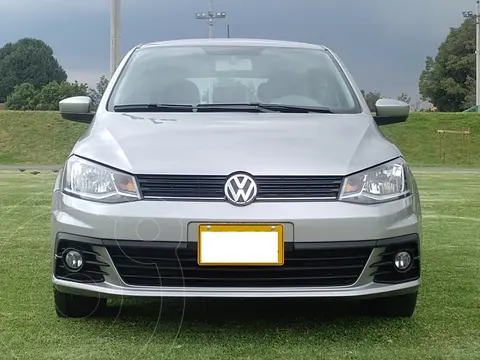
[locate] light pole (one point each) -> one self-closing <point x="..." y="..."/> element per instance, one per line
<point x="211" y="17"/>
<point x="115" y="35"/>
<point x="469" y="14"/>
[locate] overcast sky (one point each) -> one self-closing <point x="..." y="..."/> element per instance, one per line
<point x="383" y="42"/>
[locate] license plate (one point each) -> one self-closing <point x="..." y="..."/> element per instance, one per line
<point x="240" y="244"/>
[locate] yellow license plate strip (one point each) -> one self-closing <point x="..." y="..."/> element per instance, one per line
<point x="240" y="244"/>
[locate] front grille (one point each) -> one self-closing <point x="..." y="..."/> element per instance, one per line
<point x="149" y="265"/>
<point x="212" y="187"/>
<point x="384" y="270"/>
<point x="91" y="272"/>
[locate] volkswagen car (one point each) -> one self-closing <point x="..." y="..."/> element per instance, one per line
<point x="234" y="168"/>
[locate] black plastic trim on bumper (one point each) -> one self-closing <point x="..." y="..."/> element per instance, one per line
<point x="306" y="264"/>
<point x="92" y="270"/>
<point x="384" y="270"/>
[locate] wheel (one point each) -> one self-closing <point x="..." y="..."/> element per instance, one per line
<point x="75" y="306"/>
<point x="402" y="306"/>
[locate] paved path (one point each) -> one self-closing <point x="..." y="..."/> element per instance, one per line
<point x="445" y="169"/>
<point x="31" y="167"/>
<point x="415" y="169"/>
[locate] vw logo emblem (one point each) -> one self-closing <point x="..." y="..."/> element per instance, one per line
<point x="240" y="189"/>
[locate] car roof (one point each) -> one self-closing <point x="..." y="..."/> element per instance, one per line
<point x="234" y="42"/>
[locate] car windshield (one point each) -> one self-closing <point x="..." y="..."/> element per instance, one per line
<point x="217" y="74"/>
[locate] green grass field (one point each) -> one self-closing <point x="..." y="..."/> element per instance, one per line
<point x="43" y="138"/>
<point x="445" y="326"/>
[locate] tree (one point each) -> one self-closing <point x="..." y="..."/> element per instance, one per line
<point x="28" y="61"/>
<point x="404" y="97"/>
<point x="27" y="97"/>
<point x="97" y="93"/>
<point x="446" y="80"/>
<point x="471" y="98"/>
<point x="22" y="98"/>
<point x="51" y="94"/>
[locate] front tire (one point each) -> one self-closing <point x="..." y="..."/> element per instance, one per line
<point x="75" y="306"/>
<point x="402" y="306"/>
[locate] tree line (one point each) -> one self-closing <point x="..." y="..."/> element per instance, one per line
<point x="31" y="78"/>
<point x="448" y="81"/>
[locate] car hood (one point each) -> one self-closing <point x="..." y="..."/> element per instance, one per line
<point x="222" y="143"/>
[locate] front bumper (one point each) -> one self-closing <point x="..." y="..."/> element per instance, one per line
<point x="361" y="269"/>
<point x="147" y="249"/>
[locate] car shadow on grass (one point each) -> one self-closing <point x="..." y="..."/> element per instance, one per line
<point x="221" y="312"/>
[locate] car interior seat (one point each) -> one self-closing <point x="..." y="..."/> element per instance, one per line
<point x="280" y="85"/>
<point x="179" y="92"/>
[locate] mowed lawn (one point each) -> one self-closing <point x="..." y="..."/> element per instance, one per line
<point x="446" y="324"/>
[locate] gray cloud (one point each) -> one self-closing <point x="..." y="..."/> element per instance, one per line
<point x="384" y="43"/>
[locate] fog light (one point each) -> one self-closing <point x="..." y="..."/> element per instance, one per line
<point x="403" y="260"/>
<point x="73" y="260"/>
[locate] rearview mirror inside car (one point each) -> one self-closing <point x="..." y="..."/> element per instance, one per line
<point x="234" y="64"/>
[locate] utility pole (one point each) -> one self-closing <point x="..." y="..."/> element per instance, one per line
<point x="211" y="17"/>
<point x="228" y="31"/>
<point x="469" y="14"/>
<point x="115" y="35"/>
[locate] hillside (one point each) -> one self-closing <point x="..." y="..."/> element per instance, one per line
<point x="36" y="138"/>
<point x="419" y="141"/>
<point x="43" y="138"/>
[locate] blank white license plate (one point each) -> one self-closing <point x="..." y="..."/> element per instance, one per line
<point x="240" y="244"/>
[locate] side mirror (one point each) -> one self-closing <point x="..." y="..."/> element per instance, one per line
<point x="77" y="108"/>
<point x="389" y="111"/>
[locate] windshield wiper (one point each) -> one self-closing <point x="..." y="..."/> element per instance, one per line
<point x="220" y="107"/>
<point x="294" y="108"/>
<point x="154" y="107"/>
<point x="240" y="107"/>
<point x="262" y="107"/>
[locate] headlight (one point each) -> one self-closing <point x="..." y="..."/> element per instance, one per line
<point x="387" y="182"/>
<point x="90" y="181"/>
